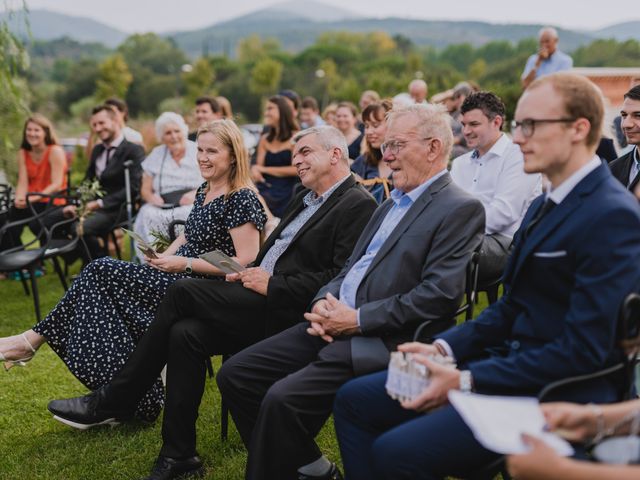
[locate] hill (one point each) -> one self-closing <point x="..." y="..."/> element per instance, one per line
<point x="49" y="25"/>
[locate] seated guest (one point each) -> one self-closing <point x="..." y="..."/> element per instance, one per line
<point x="329" y="114"/>
<point x="273" y="173"/>
<point x="42" y="167"/>
<point x="367" y="98"/>
<point x="310" y="113"/>
<point x="578" y="423"/>
<point x="122" y="110"/>
<point x="225" y="107"/>
<point x="99" y="321"/>
<point x="625" y="168"/>
<point x="293" y="99"/>
<point x="107" y="166"/>
<point x="408" y="266"/>
<point x="170" y="177"/>
<point x="575" y="259"/>
<point x="460" y="92"/>
<point x="207" y="110"/>
<point x="369" y="165"/>
<point x="494" y="173"/>
<point x="346" y="121"/>
<point x="199" y="318"/>
<point x="418" y="90"/>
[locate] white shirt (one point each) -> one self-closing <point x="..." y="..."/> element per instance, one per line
<point x="498" y="180"/>
<point x="101" y="161"/>
<point x="132" y="135"/>
<point x="170" y="176"/>
<point x="559" y="193"/>
<point x="634" y="166"/>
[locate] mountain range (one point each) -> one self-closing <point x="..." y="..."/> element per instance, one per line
<point x="297" y="24"/>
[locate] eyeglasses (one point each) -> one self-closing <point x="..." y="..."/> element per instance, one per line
<point x="394" y="146"/>
<point x="528" y="125"/>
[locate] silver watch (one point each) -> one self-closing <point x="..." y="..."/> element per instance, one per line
<point x="465" y="381"/>
<point x="188" y="268"/>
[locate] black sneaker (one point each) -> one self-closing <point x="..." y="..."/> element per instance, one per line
<point x="85" y="412"/>
<point x="167" y="468"/>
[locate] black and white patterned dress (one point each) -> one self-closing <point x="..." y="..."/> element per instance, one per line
<point x="99" y="321"/>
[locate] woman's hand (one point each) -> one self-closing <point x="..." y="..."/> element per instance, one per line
<point x="156" y="200"/>
<point x="576" y="423"/>
<point x="169" y="264"/>
<point x="188" y="198"/>
<point x="540" y="463"/>
<point x="20" y="202"/>
<point x="256" y="174"/>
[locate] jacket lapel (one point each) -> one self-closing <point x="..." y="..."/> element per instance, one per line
<point x="555" y="218"/>
<point x="414" y="212"/>
<point x="325" y="207"/>
<point x="288" y="218"/>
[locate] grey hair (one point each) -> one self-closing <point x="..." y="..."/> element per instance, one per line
<point x="417" y="82"/>
<point x="552" y="31"/>
<point x="433" y="121"/>
<point x="329" y="137"/>
<point x="165" y="119"/>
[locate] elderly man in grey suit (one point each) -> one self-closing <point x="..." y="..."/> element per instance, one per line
<point x="408" y="266"/>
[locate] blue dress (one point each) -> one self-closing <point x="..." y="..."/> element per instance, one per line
<point x="277" y="191"/>
<point x="101" y="318"/>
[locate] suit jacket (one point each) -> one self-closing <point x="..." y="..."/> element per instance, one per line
<point x="564" y="286"/>
<point x="112" y="179"/>
<point x="418" y="274"/>
<point x="317" y="252"/>
<point x="621" y="167"/>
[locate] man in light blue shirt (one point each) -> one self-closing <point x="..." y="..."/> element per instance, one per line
<point x="548" y="60"/>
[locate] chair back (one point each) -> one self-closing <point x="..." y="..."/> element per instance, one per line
<point x="378" y="187"/>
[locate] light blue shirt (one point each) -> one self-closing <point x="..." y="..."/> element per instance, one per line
<point x="557" y="62"/>
<point x="312" y="203"/>
<point x="402" y="202"/>
<point x="635" y="166"/>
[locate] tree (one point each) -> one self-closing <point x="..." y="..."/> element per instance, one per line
<point x="13" y="92"/>
<point x="199" y="80"/>
<point x="253" y="49"/>
<point x="114" y="78"/>
<point x="265" y="77"/>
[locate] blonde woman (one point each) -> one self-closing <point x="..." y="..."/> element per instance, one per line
<point x="99" y="321"/>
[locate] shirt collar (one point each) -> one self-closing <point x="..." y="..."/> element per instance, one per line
<point x="636" y="155"/>
<point x="496" y="150"/>
<point x="116" y="143"/>
<point x="398" y="197"/>
<point x="559" y="193"/>
<point x="311" y="198"/>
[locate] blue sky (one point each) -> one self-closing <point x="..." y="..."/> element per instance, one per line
<point x="164" y="15"/>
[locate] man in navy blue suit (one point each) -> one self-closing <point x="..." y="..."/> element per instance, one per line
<point x="575" y="258"/>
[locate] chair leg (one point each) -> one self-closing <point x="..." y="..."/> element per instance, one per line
<point x="24" y="282"/>
<point x="224" y="412"/>
<point x="34" y="289"/>
<point x="58" y="269"/>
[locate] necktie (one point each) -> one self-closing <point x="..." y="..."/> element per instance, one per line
<point x="636" y="179"/>
<point x="109" y="151"/>
<point x="547" y="206"/>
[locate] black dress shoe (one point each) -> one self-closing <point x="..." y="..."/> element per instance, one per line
<point x="167" y="468"/>
<point x="333" y="474"/>
<point x="86" y="412"/>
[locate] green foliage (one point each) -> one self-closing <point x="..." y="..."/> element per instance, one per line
<point x="81" y="83"/>
<point x="265" y="76"/>
<point x="114" y="79"/>
<point x="199" y="81"/>
<point x="253" y="49"/>
<point x="13" y="91"/>
<point x="149" y="50"/>
<point x="603" y="53"/>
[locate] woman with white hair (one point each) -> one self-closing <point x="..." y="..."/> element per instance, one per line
<point x="169" y="180"/>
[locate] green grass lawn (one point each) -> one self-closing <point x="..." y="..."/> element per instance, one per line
<point x="34" y="446"/>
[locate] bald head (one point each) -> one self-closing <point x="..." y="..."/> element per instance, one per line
<point x="418" y="90"/>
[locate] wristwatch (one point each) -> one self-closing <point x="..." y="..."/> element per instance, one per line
<point x="188" y="268"/>
<point x="466" y="382"/>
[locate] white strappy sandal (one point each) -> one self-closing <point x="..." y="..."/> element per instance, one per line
<point x="9" y="363"/>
